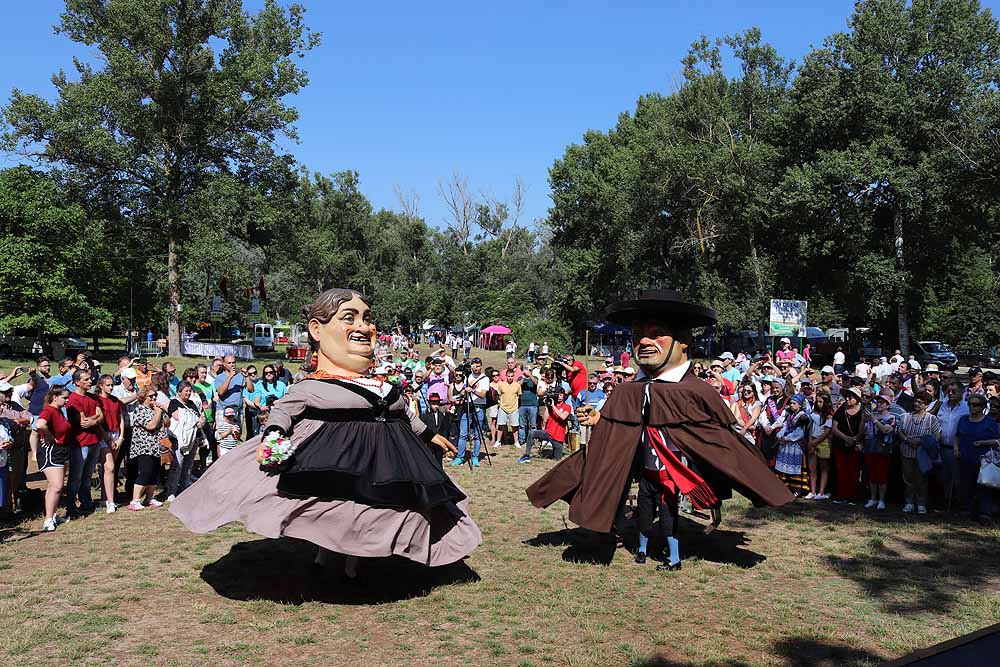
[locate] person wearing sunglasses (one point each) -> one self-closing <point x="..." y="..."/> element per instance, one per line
<point x="976" y="433"/>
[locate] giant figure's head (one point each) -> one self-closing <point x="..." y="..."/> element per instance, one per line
<point x="661" y="321"/>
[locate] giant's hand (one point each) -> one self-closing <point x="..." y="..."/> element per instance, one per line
<point x="587" y="415"/>
<point x="444" y="445"/>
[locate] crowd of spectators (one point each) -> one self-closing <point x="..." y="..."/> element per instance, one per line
<point x="878" y="431"/>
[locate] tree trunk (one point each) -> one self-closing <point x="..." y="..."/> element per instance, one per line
<point x="902" y="302"/>
<point x="174" y="298"/>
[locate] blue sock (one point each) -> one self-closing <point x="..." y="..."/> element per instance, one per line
<point x="675" y="550"/>
<point x="643" y="541"/>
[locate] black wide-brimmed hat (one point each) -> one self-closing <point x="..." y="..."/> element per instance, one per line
<point x="660" y="303"/>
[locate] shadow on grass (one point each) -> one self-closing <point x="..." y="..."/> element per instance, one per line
<point x="796" y="652"/>
<point x="906" y="573"/>
<point x="586" y="546"/>
<point x="281" y="571"/>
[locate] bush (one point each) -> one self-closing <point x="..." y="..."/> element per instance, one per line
<point x="539" y="330"/>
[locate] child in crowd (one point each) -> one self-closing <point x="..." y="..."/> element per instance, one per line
<point x="227" y="432"/>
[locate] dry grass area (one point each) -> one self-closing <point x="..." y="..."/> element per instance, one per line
<point x="810" y="584"/>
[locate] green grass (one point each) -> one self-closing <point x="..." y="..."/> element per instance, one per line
<point x="806" y="584"/>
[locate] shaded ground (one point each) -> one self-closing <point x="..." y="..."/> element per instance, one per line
<point x="812" y="584"/>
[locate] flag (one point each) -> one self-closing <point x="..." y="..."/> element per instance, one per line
<point x="260" y="289"/>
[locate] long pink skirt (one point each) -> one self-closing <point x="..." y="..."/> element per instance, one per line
<point x="235" y="489"/>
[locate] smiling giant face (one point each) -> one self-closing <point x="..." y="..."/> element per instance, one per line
<point x="659" y="346"/>
<point x="347" y="341"/>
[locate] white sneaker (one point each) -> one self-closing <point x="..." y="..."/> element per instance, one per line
<point x="810" y="496"/>
<point x="517" y="445"/>
<point x="170" y="498"/>
<point x="908" y="507"/>
<point x="881" y="505"/>
<point x="153" y="502"/>
<point x="921" y="509"/>
<point x="110" y="508"/>
<point x="870" y="504"/>
<point x="49" y="526"/>
<point x="136" y="506"/>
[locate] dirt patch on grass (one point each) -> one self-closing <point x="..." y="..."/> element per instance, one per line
<point x="811" y="584"/>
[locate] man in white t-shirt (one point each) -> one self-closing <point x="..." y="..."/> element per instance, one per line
<point x="839" y="360"/>
<point x="472" y="414"/>
<point x="862" y="368"/>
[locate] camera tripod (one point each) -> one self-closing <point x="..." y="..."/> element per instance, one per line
<point x="474" y="430"/>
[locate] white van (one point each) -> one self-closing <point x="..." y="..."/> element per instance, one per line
<point x="263" y="337"/>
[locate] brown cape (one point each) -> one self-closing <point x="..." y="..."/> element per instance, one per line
<point x="697" y="422"/>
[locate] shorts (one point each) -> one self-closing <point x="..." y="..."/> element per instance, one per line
<point x="492" y="411"/>
<point x="147" y="469"/>
<point x="507" y="419"/>
<point x="52" y="456"/>
<point x="111" y="437"/>
<point x="823" y="449"/>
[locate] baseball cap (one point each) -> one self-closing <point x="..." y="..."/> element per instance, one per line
<point x="128" y="372"/>
<point x="932" y="368"/>
<point x="5" y="386"/>
<point x="826" y="369"/>
<point x="384" y="369"/>
<point x="476" y="360"/>
<point x="974" y="370"/>
<point x="727" y="355"/>
<point x="629" y="370"/>
<point x="229" y="412"/>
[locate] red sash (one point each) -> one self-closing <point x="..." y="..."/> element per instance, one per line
<point x="675" y="477"/>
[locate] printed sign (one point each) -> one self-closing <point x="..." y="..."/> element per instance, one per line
<point x="788" y="318"/>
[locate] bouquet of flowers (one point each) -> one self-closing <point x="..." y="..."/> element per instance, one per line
<point x="277" y="449"/>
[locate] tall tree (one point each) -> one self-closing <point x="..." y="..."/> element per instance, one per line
<point x="167" y="112"/>
<point x="890" y="127"/>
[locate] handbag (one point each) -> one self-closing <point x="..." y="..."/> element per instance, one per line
<point x="989" y="470"/>
<point x="166" y="447"/>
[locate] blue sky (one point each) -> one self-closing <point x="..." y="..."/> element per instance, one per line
<point x="407" y="93"/>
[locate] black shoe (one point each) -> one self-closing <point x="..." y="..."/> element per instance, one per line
<point x="640" y="558"/>
<point x="668" y="567"/>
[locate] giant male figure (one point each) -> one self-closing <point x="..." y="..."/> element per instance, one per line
<point x="668" y="428"/>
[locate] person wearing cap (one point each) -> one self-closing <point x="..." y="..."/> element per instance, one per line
<point x="717" y="379"/>
<point x="668" y="428"/>
<point x="975" y="383"/>
<point x="880" y="427"/>
<point x="593" y="396"/>
<point x="785" y="351"/>
<point x="472" y="415"/>
<point x="828" y="379"/>
<point x="227" y="431"/>
<point x="729" y="370"/>
<point x="775" y="405"/>
<point x="849" y="437"/>
<point x="143" y="373"/>
<point x="793" y="427"/>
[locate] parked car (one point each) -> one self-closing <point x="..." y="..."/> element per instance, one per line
<point x="982" y="357"/>
<point x="33" y="342"/>
<point x="934" y="352"/>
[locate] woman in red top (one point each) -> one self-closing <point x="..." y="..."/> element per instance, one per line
<point x="114" y="430"/>
<point x="52" y="453"/>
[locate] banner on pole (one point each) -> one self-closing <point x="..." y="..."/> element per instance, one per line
<point x="788" y="318"/>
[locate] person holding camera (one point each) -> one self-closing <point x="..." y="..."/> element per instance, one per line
<point x="593" y="396"/>
<point x="230" y="385"/>
<point x="470" y="401"/>
<point x="555" y="426"/>
<point x="576" y="373"/>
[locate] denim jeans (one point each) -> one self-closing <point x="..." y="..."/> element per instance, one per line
<point x="82" y="461"/>
<point x="464" y="426"/>
<point x="527" y="417"/>
<point x="539" y="434"/>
